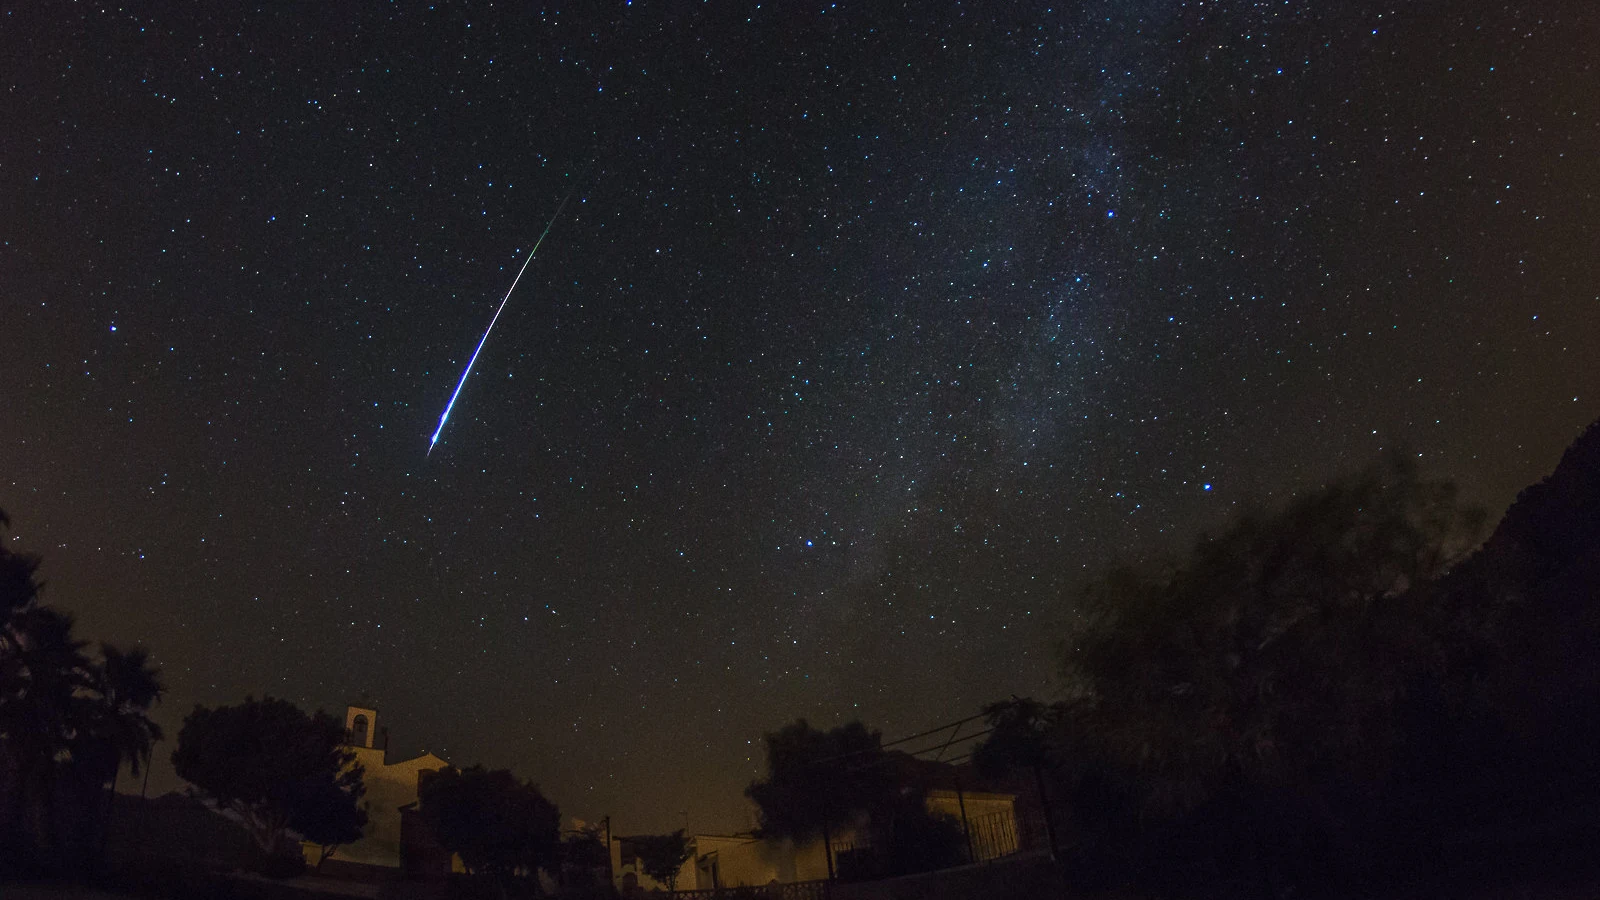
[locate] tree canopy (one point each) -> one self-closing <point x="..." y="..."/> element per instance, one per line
<point x="275" y="766"/>
<point x="1336" y="691"/>
<point x="818" y="781"/>
<point x="585" y="859"/>
<point x="325" y="815"/>
<point x="497" y="823"/>
<point x="1279" y="648"/>
<point x="662" y="855"/>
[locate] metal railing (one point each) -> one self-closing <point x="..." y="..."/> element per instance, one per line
<point x="992" y="836"/>
<point x="799" y="890"/>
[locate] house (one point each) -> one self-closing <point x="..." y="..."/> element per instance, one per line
<point x="746" y="860"/>
<point x="719" y="860"/>
<point x="987" y="819"/>
<point x="391" y="788"/>
<point x="628" y="874"/>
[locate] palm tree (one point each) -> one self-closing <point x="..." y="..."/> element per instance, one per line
<point x="41" y="673"/>
<point x="128" y="685"/>
<point x="19" y="592"/>
<point x="60" y="713"/>
<point x="124" y="686"/>
<point x="42" y="707"/>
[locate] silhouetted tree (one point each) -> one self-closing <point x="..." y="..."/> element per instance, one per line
<point x="272" y="764"/>
<point x="1021" y="739"/>
<point x="584" y="857"/>
<point x="1261" y="656"/>
<point x="498" y="824"/>
<point x="906" y="837"/>
<point x="1504" y="738"/>
<point x="325" y="815"/>
<point x="1257" y="691"/>
<point x="66" y="723"/>
<point x="662" y="855"/>
<point x="119" y="732"/>
<point x="819" y="782"/>
<point x="44" y="708"/>
<point x="37" y="662"/>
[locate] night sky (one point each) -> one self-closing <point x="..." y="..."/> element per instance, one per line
<point x="867" y="335"/>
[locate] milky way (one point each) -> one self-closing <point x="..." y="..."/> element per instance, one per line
<point x="874" y="333"/>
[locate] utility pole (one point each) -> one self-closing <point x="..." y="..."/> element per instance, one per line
<point x="1044" y="804"/>
<point x="966" y="831"/>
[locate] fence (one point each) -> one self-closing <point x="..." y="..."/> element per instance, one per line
<point x="1023" y="874"/>
<point x="985" y="838"/>
<point x="799" y="890"/>
<point x="992" y="836"/>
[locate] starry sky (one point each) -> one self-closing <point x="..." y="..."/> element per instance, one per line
<point x="869" y="333"/>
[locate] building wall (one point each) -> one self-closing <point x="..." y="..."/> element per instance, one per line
<point x="740" y="861"/>
<point x="626" y="870"/>
<point x="991" y="820"/>
<point x="745" y="861"/>
<point x="977" y="804"/>
<point x="811" y="859"/>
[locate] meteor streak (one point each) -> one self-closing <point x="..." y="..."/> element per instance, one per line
<point x="445" y="417"/>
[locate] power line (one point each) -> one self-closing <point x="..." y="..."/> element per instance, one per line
<point x="888" y="760"/>
<point x="947" y="744"/>
<point x="921" y="734"/>
<point x="975" y="734"/>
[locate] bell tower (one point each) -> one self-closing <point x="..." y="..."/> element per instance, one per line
<point x="360" y="726"/>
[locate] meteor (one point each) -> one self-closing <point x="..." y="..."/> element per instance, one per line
<point x="445" y="417"/>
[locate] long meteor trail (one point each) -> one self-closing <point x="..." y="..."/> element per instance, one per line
<point x="445" y="417"/>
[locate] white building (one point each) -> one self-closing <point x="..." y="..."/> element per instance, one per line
<point x="391" y="786"/>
